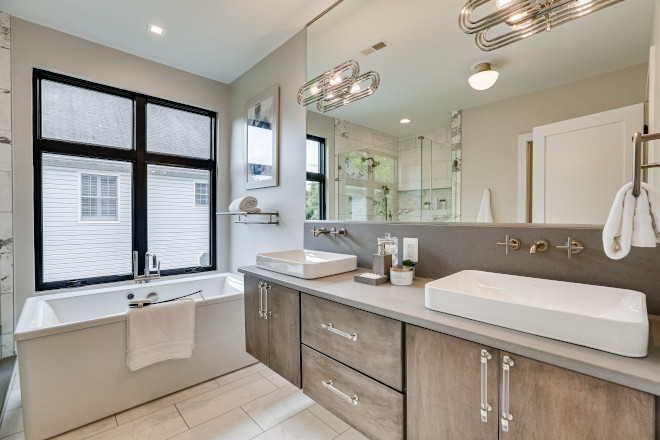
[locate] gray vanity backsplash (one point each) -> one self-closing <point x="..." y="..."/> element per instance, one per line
<point x="448" y="248"/>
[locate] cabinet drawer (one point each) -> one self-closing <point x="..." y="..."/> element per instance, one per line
<point x="377" y="349"/>
<point x="378" y="410"/>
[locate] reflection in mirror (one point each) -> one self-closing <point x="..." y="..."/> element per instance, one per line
<point x="548" y="142"/>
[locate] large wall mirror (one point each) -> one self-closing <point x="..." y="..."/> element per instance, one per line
<point x="549" y="142"/>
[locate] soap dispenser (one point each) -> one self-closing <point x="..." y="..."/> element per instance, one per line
<point x="382" y="261"/>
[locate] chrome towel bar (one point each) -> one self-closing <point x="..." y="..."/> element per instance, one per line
<point x="638" y="140"/>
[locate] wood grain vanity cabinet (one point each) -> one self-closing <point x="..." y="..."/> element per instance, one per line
<point x="446" y="376"/>
<point x="352" y="364"/>
<point x="272" y="327"/>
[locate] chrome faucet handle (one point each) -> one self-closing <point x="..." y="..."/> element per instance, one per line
<point x="510" y="243"/>
<point x="334" y="232"/>
<point x="572" y="247"/>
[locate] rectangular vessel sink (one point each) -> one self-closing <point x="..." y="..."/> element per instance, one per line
<point x="307" y="264"/>
<point x="605" y="318"/>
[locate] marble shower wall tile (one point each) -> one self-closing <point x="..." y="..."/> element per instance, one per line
<point x="6" y="202"/>
<point x="7" y="316"/>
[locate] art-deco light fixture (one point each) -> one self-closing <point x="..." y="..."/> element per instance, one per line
<point x="524" y="18"/>
<point x="338" y="87"/>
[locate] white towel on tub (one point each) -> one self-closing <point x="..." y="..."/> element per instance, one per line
<point x="160" y="332"/>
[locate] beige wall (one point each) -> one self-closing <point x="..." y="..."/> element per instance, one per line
<point x="38" y="46"/>
<point x="324" y="126"/>
<point x="490" y="132"/>
<point x="285" y="67"/>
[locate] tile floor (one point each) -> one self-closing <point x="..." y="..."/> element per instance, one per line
<point x="252" y="403"/>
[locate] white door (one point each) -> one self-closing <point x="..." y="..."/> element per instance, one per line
<point x="580" y="164"/>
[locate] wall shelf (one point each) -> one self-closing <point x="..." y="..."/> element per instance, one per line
<point x="244" y="217"/>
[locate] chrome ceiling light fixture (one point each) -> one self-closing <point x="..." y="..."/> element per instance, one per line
<point x="524" y="18"/>
<point x="338" y="87"/>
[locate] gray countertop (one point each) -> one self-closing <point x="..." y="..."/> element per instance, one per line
<point x="406" y="303"/>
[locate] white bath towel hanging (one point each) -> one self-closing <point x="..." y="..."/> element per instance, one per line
<point x="160" y="332"/>
<point x="485" y="213"/>
<point x="244" y="204"/>
<point x="633" y="221"/>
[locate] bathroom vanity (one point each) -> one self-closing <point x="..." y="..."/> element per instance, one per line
<point x="378" y="359"/>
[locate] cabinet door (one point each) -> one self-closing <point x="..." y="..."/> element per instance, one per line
<point x="552" y="403"/>
<point x="256" y="327"/>
<point x="444" y="387"/>
<point x="283" y="308"/>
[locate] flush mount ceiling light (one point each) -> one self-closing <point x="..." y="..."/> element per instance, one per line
<point x="524" y="18"/>
<point x="405" y="121"/>
<point x="156" y="29"/>
<point x="338" y="87"/>
<point x="484" y="77"/>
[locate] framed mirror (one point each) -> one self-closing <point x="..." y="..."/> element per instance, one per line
<point x="548" y="142"/>
<point x="262" y="139"/>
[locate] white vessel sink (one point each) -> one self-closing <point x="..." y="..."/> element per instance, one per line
<point x="605" y="318"/>
<point x="307" y="264"/>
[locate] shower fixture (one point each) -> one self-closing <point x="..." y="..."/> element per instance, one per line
<point x="524" y="18"/>
<point x="338" y="86"/>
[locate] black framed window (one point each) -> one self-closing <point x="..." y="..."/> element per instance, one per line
<point x="315" y="187"/>
<point x="115" y="172"/>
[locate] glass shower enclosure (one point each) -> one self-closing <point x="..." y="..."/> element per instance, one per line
<point x="409" y="180"/>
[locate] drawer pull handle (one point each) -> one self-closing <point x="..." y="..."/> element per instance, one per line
<point x="507" y="363"/>
<point x="261" y="299"/>
<point x="353" y="400"/>
<point x="485" y="407"/>
<point x="330" y="328"/>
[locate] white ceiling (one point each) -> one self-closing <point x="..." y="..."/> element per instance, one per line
<point x="424" y="73"/>
<point x="217" y="39"/>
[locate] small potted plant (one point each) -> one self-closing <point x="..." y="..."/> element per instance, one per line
<point x="410" y="263"/>
<point x="403" y="275"/>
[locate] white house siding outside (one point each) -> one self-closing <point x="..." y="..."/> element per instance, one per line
<point x="178" y="229"/>
<point x="74" y="248"/>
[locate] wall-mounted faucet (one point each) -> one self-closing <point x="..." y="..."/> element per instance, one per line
<point x="333" y="232"/>
<point x="539" y="246"/>
<point x="151" y="262"/>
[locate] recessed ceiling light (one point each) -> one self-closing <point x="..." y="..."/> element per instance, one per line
<point x="405" y="121"/>
<point x="156" y="29"/>
<point x="484" y="77"/>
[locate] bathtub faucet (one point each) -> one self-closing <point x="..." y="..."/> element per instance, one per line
<point x="151" y="262"/>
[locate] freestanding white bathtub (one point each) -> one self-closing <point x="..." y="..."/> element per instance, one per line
<point x="72" y="350"/>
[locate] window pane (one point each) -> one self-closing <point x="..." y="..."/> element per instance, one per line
<point x="313" y="150"/>
<point x="75" y="114"/>
<point x="85" y="234"/>
<point x="179" y="229"/>
<point x="178" y="132"/>
<point x="313" y="201"/>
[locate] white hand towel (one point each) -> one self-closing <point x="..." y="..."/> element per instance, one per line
<point x="485" y="213"/>
<point x="633" y="221"/>
<point x="160" y="332"/>
<point x="244" y="204"/>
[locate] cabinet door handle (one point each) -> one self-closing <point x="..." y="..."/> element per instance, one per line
<point x="507" y="363"/>
<point x="261" y="300"/>
<point x="328" y="384"/>
<point x="485" y="407"/>
<point x="330" y="328"/>
<point x="266" y="312"/>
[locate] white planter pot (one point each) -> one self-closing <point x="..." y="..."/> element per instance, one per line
<point x="400" y="276"/>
